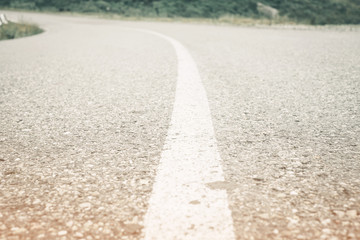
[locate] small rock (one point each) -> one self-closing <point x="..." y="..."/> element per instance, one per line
<point x="132" y="228"/>
<point x="259" y="179"/>
<point x="2" y="227"/>
<point x="264" y="216"/>
<point x="78" y="235"/>
<point x="106" y="231"/>
<point x="293" y="193"/>
<point x="69" y="224"/>
<point x="85" y="205"/>
<point x="13" y="238"/>
<point x="88" y="224"/>
<point x="21" y="193"/>
<point x="292" y="223"/>
<point x="144" y="182"/>
<point x="339" y="213"/>
<point x="351" y="213"/>
<point x="40" y="236"/>
<point x="351" y="235"/>
<point x="344" y="224"/>
<point x="62" y="233"/>
<point x="326" y="221"/>
<point x="36" y="201"/>
<point x="9" y="172"/>
<point x="281" y="195"/>
<point x="16" y="230"/>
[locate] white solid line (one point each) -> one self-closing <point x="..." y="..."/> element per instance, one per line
<point x="188" y="199"/>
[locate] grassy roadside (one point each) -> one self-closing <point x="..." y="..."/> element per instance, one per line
<point x="227" y="20"/>
<point x="314" y="12"/>
<point x="17" y="30"/>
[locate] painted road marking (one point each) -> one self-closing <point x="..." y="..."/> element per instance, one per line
<point x="184" y="204"/>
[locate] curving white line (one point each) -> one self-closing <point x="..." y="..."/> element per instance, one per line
<point x="187" y="202"/>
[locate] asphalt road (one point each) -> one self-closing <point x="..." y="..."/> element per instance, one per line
<point x="86" y="108"/>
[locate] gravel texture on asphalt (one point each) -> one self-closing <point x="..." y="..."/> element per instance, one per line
<point x="82" y="127"/>
<point x="285" y="107"/>
<point x="85" y="108"/>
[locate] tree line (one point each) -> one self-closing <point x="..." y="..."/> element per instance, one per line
<point x="310" y="11"/>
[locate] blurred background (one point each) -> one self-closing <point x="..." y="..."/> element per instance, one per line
<point x="317" y="12"/>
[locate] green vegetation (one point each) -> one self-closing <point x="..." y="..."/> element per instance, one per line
<point x="321" y="11"/>
<point x="304" y="11"/>
<point x="17" y="30"/>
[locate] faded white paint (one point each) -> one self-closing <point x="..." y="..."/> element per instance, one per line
<point x="183" y="204"/>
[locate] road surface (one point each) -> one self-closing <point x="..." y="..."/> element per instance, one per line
<point x="94" y="112"/>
